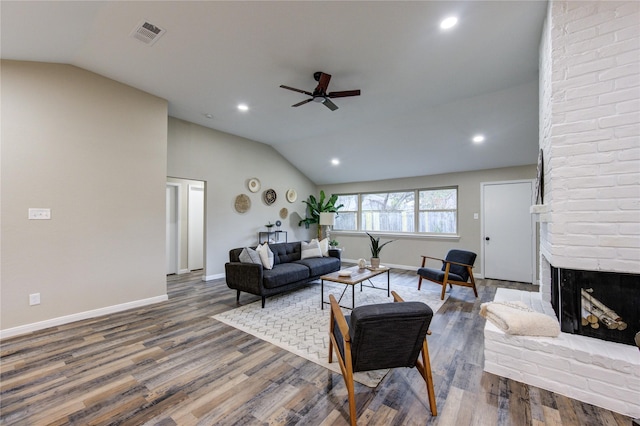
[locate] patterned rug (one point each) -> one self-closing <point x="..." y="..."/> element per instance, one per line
<point x="295" y="322"/>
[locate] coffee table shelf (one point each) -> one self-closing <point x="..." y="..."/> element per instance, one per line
<point x="358" y="276"/>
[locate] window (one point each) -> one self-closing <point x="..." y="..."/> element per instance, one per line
<point x="438" y="211"/>
<point x="388" y="211"/>
<point x="435" y="212"/>
<point x="347" y="217"/>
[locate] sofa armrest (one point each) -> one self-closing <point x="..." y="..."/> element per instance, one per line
<point x="245" y="277"/>
<point x="337" y="253"/>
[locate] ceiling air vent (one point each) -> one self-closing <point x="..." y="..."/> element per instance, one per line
<point x="147" y="32"/>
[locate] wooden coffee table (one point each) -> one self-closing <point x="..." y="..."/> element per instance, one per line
<point x="358" y="276"/>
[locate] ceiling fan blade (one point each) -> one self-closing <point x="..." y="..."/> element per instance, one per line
<point x="323" y="82"/>
<point x="302" y="103"/>
<point x="344" y="94"/>
<point x="297" y="90"/>
<point x="330" y="104"/>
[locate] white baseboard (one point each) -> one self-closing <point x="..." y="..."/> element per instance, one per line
<point x="183" y="271"/>
<point x="54" y="322"/>
<point x="212" y="277"/>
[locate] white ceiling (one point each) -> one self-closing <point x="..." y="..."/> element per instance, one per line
<point x="425" y="92"/>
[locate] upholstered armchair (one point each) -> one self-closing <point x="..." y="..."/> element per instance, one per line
<point x="457" y="268"/>
<point x="386" y="335"/>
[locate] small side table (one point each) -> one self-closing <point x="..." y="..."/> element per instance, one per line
<point x="265" y="236"/>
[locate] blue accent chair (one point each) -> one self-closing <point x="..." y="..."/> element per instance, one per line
<point x="457" y="268"/>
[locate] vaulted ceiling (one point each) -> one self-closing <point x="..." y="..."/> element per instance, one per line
<point x="425" y="91"/>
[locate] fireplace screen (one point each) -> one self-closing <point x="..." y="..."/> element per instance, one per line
<point x="604" y="305"/>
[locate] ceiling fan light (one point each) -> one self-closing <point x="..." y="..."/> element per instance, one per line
<point x="319" y="99"/>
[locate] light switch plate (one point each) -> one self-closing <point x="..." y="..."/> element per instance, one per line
<point x="34" y="299"/>
<point x="39" y="214"/>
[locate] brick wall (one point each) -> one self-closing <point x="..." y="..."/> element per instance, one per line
<point x="605" y="374"/>
<point x="590" y="135"/>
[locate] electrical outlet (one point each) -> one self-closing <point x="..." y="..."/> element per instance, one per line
<point x="39" y="214"/>
<point x="34" y="299"/>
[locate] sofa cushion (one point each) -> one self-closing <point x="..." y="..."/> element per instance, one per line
<point x="266" y="255"/>
<point x="310" y="249"/>
<point x="284" y="273"/>
<point x="320" y="265"/>
<point x="249" y="255"/>
<point x="324" y="246"/>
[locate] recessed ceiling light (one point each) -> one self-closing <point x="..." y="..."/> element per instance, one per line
<point x="478" y="138"/>
<point x="335" y="161"/>
<point x="449" y="22"/>
<point x="243" y="107"/>
<point x="208" y="115"/>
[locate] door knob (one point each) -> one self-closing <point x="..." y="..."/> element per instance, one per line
<point x="487" y="238"/>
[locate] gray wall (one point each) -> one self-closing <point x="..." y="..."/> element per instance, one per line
<point x="406" y="250"/>
<point x="226" y="162"/>
<point x="98" y="154"/>
<point x="94" y="152"/>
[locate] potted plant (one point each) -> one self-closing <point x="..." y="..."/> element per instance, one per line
<point x="315" y="206"/>
<point x="376" y="248"/>
<point x="333" y="243"/>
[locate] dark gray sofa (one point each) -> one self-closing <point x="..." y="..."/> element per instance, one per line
<point x="288" y="272"/>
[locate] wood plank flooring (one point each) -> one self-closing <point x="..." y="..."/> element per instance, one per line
<point x="171" y="364"/>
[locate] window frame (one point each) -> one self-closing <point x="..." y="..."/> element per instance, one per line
<point x="416" y="213"/>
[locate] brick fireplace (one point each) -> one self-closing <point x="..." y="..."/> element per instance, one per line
<point x="589" y="99"/>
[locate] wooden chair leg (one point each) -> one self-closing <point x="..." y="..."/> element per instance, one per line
<point x="473" y="282"/>
<point x="347" y="375"/>
<point x="348" y="380"/>
<point x="420" y="282"/>
<point x="428" y="378"/>
<point x="445" y="280"/>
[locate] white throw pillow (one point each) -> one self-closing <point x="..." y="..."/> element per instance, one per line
<point x="249" y="255"/>
<point x="324" y="247"/>
<point x="310" y="249"/>
<point x="266" y="255"/>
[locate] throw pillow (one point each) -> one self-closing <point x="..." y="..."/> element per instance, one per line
<point x="310" y="249"/>
<point x="266" y="255"/>
<point x="249" y="255"/>
<point x="324" y="247"/>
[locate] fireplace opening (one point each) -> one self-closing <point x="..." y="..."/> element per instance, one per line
<point x="604" y="305"/>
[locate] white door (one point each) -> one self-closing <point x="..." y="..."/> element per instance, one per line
<point x="172" y="237"/>
<point x="508" y="231"/>
<point x="195" y="256"/>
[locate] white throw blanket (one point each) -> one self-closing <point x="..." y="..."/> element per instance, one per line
<point x="518" y="318"/>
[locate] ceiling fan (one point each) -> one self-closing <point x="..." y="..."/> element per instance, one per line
<point x="320" y="93"/>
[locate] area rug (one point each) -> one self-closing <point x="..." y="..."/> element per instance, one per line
<point x="295" y="322"/>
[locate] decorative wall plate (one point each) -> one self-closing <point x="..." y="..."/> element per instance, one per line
<point x="291" y="195"/>
<point x="253" y="185"/>
<point x="243" y="203"/>
<point x="269" y="196"/>
<point x="284" y="213"/>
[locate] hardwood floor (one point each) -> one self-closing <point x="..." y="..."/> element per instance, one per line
<point x="171" y="364"/>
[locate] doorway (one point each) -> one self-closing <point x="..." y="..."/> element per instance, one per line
<point x="172" y="228"/>
<point x="188" y="197"/>
<point x="508" y="245"/>
<point x="195" y="226"/>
